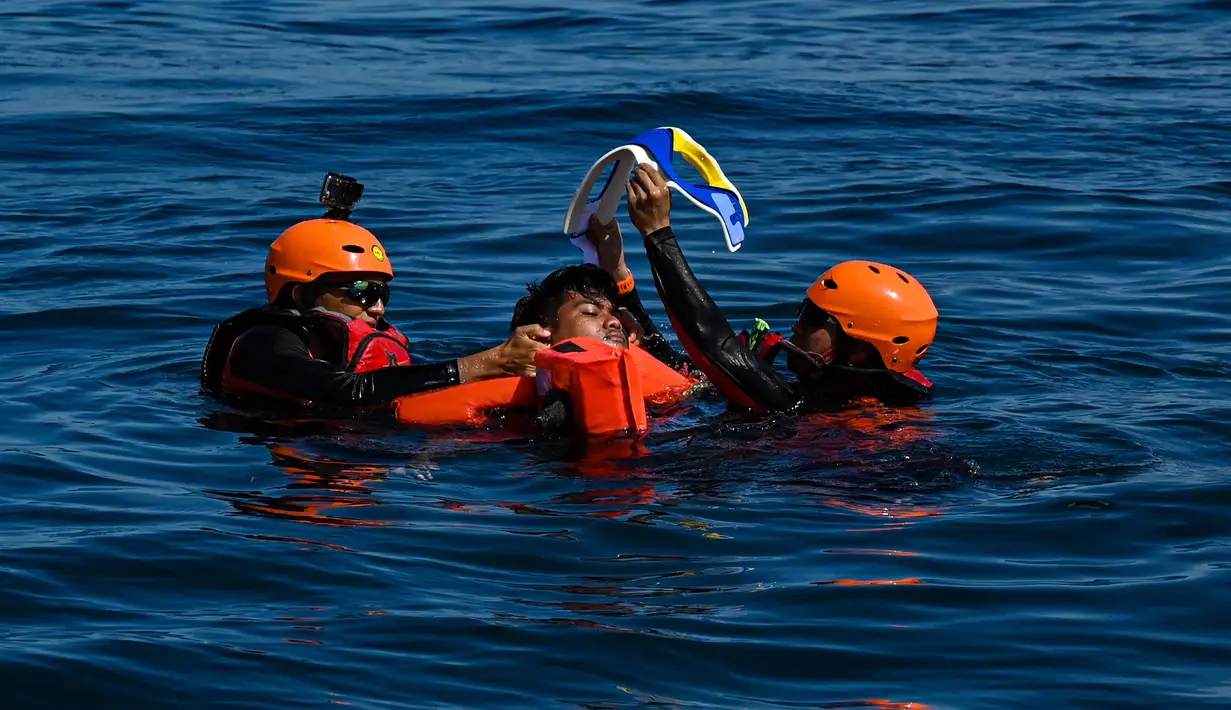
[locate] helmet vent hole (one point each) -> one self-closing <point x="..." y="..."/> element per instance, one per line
<point x="922" y="349"/>
<point x="830" y="283"/>
<point x="273" y="269"/>
<point x="904" y="279"/>
<point x="901" y="340"/>
<point x="874" y="269"/>
<point x="353" y="248"/>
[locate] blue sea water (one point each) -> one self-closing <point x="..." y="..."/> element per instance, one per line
<point x="1050" y="531"/>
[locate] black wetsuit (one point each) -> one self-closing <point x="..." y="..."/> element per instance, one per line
<point x="276" y="358"/>
<point x="303" y="358"/>
<point x="741" y="375"/>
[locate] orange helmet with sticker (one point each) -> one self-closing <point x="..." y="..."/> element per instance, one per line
<point x="316" y="247"/>
<point x="882" y="305"/>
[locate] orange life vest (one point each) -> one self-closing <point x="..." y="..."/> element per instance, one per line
<point x="607" y="387"/>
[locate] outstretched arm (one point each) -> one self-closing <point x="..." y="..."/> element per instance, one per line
<point x="276" y="359"/>
<point x="742" y="377"/>
<point x="609" y="245"/>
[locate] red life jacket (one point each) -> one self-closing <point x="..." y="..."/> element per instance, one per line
<point x="349" y="344"/>
<point x="369" y="348"/>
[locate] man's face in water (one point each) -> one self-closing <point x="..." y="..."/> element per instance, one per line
<point x="585" y="316"/>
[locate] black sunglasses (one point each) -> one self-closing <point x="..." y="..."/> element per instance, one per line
<point x="810" y="315"/>
<point x="365" y="293"/>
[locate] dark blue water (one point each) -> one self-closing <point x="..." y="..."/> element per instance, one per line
<point x="1055" y="522"/>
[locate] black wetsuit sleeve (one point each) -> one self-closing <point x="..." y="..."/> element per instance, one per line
<point x="654" y="342"/>
<point x="737" y="372"/>
<point x="275" y="358"/>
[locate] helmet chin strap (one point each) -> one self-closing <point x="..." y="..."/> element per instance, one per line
<point x="817" y="360"/>
<point x="821" y="363"/>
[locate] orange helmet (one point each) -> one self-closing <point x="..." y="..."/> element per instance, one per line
<point x="322" y="246"/>
<point x="881" y="305"/>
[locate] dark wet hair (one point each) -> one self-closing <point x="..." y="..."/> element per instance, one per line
<point x="542" y="303"/>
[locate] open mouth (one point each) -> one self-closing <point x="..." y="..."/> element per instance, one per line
<point x="619" y="340"/>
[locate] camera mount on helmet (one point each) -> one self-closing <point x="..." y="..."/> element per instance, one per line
<point x="340" y="193"/>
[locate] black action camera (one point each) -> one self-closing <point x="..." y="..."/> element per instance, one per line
<point x="340" y="193"/>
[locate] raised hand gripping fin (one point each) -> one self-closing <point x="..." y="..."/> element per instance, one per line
<point x="657" y="148"/>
